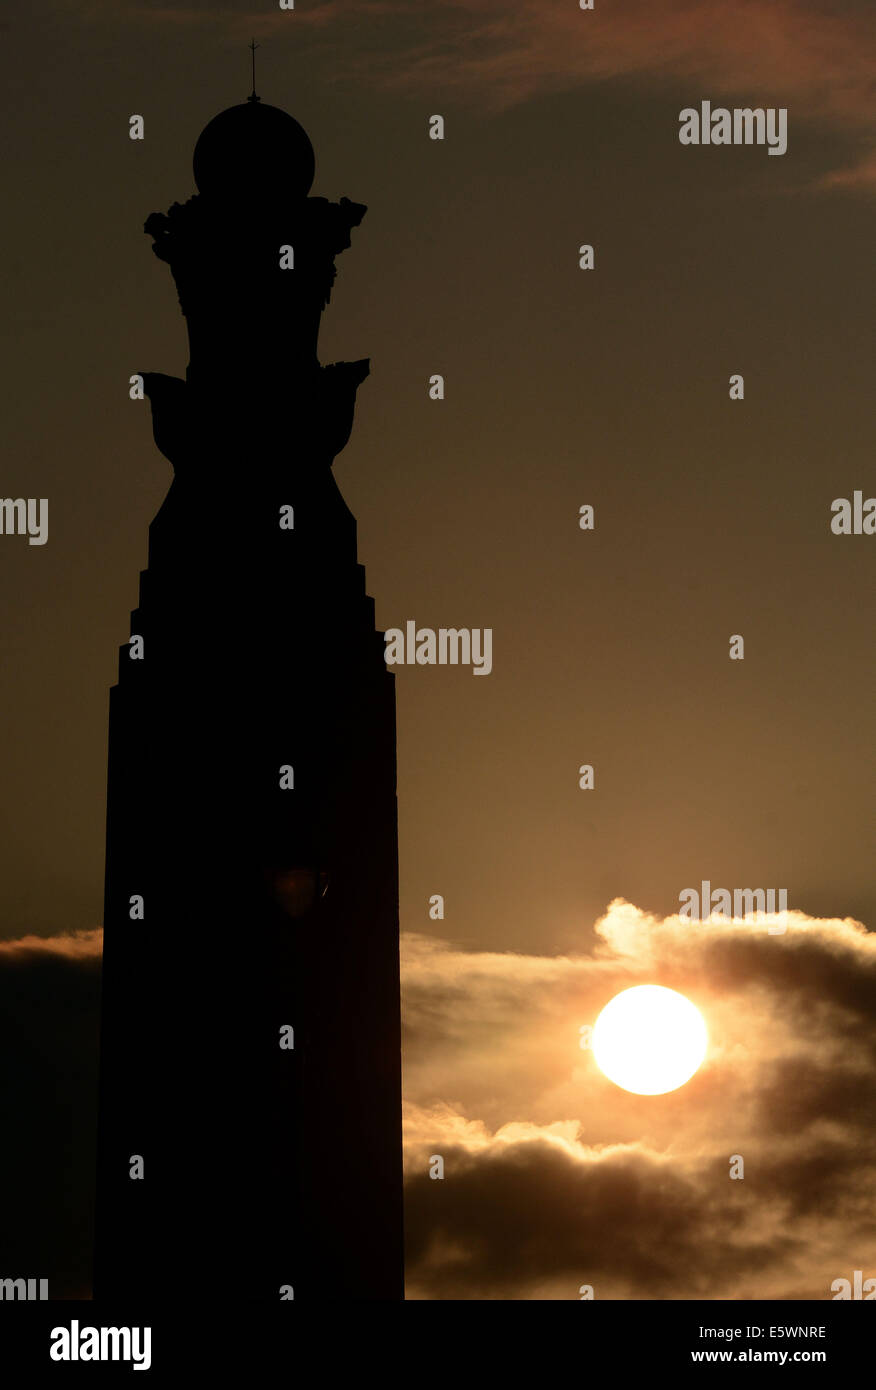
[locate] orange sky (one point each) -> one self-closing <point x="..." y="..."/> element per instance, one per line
<point x="563" y="387"/>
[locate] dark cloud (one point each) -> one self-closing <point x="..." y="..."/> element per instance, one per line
<point x="49" y="1020"/>
<point x="539" y="1219"/>
<point x="555" y="1178"/>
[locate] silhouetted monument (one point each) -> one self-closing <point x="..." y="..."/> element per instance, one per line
<point x="250" y="1049"/>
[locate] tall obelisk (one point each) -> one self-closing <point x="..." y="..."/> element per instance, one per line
<point x="250" y="1112"/>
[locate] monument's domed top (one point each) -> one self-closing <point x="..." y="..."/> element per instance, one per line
<point x="254" y="150"/>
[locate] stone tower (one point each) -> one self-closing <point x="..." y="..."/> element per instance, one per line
<point x="250" y="1105"/>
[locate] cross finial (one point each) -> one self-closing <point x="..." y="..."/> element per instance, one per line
<point x="253" y="46"/>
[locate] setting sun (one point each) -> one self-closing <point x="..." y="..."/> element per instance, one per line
<point x="649" y="1040"/>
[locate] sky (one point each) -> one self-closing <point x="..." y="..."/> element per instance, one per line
<point x="564" y="387"/>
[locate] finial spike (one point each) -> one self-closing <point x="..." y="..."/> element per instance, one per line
<point x="253" y="95"/>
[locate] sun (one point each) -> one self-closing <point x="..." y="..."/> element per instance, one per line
<point x="649" y="1040"/>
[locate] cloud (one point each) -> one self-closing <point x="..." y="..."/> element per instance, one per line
<point x="814" y="51"/>
<point x="529" y="1212"/>
<point x="49" y="1011"/>
<point x="555" y="1178"/>
<point x="856" y="176"/>
<point x="79" y="945"/>
<point x="811" y="56"/>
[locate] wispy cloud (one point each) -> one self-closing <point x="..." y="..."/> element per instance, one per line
<point x="813" y="56"/>
<point x="77" y="945"/>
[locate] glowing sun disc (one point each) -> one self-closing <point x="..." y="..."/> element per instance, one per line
<point x="649" y="1040"/>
